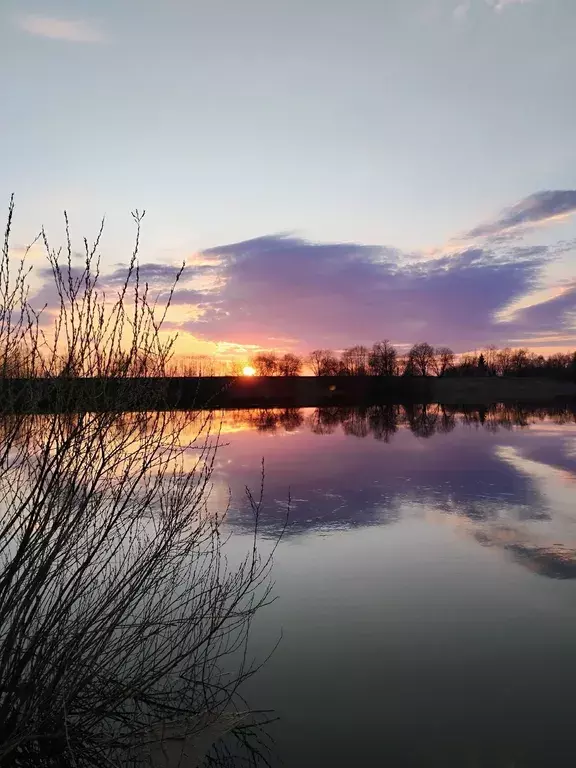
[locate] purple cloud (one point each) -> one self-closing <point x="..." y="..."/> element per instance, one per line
<point x="339" y="294"/>
<point x="159" y="277"/>
<point x="155" y="274"/>
<point x="47" y="294"/>
<point x="555" y="314"/>
<point x="187" y="296"/>
<point x="282" y="291"/>
<point x="532" y="210"/>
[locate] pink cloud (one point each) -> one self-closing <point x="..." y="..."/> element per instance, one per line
<point x="75" y="31"/>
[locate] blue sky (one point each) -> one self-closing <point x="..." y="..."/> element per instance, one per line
<point x="405" y="127"/>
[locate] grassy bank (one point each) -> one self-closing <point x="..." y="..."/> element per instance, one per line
<point x="484" y="391"/>
<point x="94" y="394"/>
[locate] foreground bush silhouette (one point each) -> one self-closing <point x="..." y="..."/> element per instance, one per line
<point x="123" y="627"/>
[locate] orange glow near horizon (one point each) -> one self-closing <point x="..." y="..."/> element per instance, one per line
<point x="248" y="371"/>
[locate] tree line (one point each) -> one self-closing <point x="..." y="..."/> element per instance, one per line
<point x="422" y="359"/>
<point x="26" y="360"/>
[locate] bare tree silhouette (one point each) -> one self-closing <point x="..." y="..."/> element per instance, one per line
<point x="382" y="360"/>
<point x="324" y="362"/>
<point x="354" y="361"/>
<point x="443" y="360"/>
<point x="421" y="359"/>
<point x="289" y="365"/>
<point x="265" y="363"/>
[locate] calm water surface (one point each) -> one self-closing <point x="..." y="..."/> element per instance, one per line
<point x="426" y="583"/>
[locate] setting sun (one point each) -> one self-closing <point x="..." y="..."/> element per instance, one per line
<point x="248" y="370"/>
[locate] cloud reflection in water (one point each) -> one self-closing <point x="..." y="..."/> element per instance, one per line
<point x="503" y="474"/>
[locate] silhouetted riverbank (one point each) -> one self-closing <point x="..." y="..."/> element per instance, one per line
<point x="45" y="395"/>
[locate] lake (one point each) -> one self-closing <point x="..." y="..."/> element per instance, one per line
<point x="426" y="582"/>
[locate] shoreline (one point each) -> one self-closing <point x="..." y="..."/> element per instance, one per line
<point x="68" y="395"/>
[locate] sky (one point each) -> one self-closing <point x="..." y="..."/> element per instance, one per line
<point x="332" y="172"/>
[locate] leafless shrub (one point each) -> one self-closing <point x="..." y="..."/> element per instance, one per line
<point x="120" y="610"/>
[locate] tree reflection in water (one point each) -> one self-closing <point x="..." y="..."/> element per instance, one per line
<point x="383" y="421"/>
<point x="466" y="482"/>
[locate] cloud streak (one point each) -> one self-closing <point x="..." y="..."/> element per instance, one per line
<point x="70" y="30"/>
<point x="461" y="11"/>
<point x="501" y="5"/>
<point x="534" y="210"/>
<point x="551" y="315"/>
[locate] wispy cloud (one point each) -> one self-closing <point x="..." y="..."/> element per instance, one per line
<point x="71" y="30"/>
<point x="461" y="11"/>
<point x="534" y="210"/>
<point x="558" y="312"/>
<point x="500" y="5"/>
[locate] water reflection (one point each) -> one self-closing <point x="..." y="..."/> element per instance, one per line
<point x="383" y="421"/>
<point x="426" y="581"/>
<point x="505" y="475"/>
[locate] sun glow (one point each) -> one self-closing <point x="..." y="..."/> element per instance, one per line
<point x="248" y="370"/>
